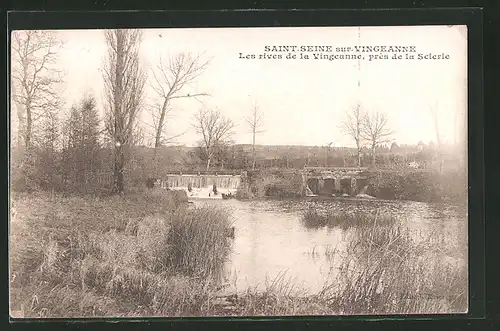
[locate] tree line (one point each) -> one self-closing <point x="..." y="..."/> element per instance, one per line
<point x="81" y="150"/>
<point x="51" y="151"/>
<point x="372" y="130"/>
<point x="240" y="157"/>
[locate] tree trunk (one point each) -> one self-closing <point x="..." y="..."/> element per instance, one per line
<point x="373" y="155"/>
<point x="118" y="97"/>
<point x="155" y="164"/>
<point x="253" y="151"/>
<point x="118" y="185"/>
<point x="27" y="134"/>
<point x="358" y="149"/>
<point x="160" y="126"/>
<point x="29" y="121"/>
<point x="208" y="163"/>
<point x="20" y="117"/>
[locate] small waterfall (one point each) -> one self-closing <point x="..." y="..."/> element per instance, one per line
<point x="228" y="182"/>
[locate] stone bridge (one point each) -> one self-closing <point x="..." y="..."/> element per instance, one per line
<point x="328" y="181"/>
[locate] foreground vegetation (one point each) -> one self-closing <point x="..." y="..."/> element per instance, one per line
<point x="388" y="268"/>
<point x="149" y="254"/>
<point x="146" y="254"/>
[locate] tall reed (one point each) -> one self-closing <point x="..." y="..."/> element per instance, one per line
<point x="387" y="271"/>
<point x="199" y="241"/>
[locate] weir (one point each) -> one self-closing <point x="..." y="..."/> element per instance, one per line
<point x="228" y="182"/>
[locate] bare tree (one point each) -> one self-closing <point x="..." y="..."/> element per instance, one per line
<point x="48" y="165"/>
<point x="255" y="121"/>
<point x="34" y="78"/>
<point x="352" y="126"/>
<point x="19" y="113"/>
<point x="374" y="129"/>
<point x="168" y="82"/>
<point x="124" y="85"/>
<point x="215" y="130"/>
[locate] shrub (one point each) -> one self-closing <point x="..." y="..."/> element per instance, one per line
<point x="419" y="186"/>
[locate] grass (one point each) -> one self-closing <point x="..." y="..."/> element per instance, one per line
<point x="137" y="255"/>
<point x="386" y="270"/>
<point x="383" y="270"/>
<point x="148" y="254"/>
<point x="280" y="297"/>
<point x="206" y="227"/>
<point x="313" y="219"/>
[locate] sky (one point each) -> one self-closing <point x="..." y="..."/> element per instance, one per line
<point x="303" y="101"/>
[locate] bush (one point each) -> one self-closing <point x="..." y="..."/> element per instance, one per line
<point x="419" y="186"/>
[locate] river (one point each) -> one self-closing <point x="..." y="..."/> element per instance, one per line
<point x="270" y="240"/>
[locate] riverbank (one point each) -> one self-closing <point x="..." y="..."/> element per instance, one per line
<point x="390" y="267"/>
<point x="410" y="185"/>
<point x="449" y="186"/>
<point x="147" y="254"/>
<point x="142" y="254"/>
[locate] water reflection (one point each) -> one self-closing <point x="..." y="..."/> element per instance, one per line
<point x="270" y="239"/>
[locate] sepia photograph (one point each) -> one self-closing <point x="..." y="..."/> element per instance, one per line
<point x="198" y="172"/>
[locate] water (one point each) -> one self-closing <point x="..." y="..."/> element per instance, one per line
<point x="270" y="239"/>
